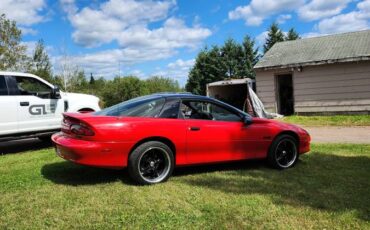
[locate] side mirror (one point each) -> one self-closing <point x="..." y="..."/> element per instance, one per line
<point x="247" y="120"/>
<point x="55" y="92"/>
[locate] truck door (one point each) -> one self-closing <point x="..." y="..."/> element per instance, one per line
<point x="36" y="109"/>
<point x="8" y="110"/>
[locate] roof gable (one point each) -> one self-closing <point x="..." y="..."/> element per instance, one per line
<point x="354" y="46"/>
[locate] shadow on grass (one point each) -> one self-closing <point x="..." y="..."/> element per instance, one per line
<point x="68" y="173"/>
<point x="220" y="167"/>
<point x="321" y="181"/>
<point x="17" y="146"/>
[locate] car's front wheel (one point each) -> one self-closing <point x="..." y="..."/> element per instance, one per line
<point x="283" y="152"/>
<point x="151" y="162"/>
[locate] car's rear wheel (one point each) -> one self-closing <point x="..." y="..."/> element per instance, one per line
<point x="283" y="152"/>
<point x="151" y="162"/>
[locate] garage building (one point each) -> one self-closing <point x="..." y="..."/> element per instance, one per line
<point x="321" y="75"/>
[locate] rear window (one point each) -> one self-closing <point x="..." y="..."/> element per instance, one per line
<point x="3" y="87"/>
<point x="137" y="107"/>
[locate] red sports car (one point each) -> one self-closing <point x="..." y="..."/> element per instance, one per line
<point x="152" y="134"/>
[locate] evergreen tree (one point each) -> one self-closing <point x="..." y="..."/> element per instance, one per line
<point x="274" y="35"/>
<point x="231" y="61"/>
<point x="92" y="79"/>
<point x="208" y="67"/>
<point x="232" y="56"/>
<point x="292" y="35"/>
<point x="250" y="56"/>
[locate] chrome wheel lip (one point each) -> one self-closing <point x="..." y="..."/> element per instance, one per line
<point x="294" y="152"/>
<point x="166" y="169"/>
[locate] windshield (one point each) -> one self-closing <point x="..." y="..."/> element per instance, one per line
<point x="146" y="106"/>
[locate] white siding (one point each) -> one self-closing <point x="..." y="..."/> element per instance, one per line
<point x="341" y="87"/>
<point x="266" y="89"/>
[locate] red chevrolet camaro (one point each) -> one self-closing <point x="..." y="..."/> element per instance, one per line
<point x="151" y="135"/>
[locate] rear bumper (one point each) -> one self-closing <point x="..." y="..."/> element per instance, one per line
<point x="91" y="153"/>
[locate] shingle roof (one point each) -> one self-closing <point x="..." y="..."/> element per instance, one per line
<point x="347" y="47"/>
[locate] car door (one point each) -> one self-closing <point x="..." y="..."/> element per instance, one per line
<point x="36" y="109"/>
<point x="8" y="110"/>
<point x="214" y="133"/>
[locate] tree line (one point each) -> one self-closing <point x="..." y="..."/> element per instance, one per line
<point x="232" y="60"/>
<point x="229" y="61"/>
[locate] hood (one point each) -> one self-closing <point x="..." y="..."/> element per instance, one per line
<point x="80" y="96"/>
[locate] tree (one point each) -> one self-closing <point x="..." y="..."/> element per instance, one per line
<point x="274" y="35"/>
<point x="157" y="84"/>
<point x="92" y="79"/>
<point x="40" y="63"/>
<point x="12" y="53"/>
<point x="231" y="61"/>
<point x="292" y="35"/>
<point x="123" y="88"/>
<point x="232" y="58"/>
<point x="78" y="82"/>
<point x="208" y="67"/>
<point x="251" y="56"/>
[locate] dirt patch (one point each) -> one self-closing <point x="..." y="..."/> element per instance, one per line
<point x="330" y="134"/>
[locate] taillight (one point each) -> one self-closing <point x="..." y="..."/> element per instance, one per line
<point x="81" y="130"/>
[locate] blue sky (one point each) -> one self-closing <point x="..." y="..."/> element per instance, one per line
<point x="150" y="37"/>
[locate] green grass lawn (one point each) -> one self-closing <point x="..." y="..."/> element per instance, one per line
<point x="337" y="120"/>
<point x="328" y="189"/>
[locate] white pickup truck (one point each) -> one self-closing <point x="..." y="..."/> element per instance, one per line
<point x="32" y="107"/>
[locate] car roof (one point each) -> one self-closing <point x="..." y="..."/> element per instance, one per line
<point x="185" y="95"/>
<point x="181" y="95"/>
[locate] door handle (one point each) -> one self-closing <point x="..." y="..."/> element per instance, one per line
<point x="194" y="128"/>
<point x="24" y="103"/>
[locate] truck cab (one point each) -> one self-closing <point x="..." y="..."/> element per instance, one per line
<point x="32" y="107"/>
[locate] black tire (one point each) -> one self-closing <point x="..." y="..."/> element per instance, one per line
<point x="45" y="138"/>
<point x="150" y="163"/>
<point x="283" y="152"/>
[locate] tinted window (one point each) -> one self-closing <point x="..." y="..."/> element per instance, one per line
<point x="31" y="86"/>
<point x="171" y="109"/>
<point x="206" y="111"/>
<point x="3" y="88"/>
<point x="137" y="107"/>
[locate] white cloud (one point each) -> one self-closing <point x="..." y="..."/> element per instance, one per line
<point x="261" y="38"/>
<point x="179" y="70"/>
<point x="258" y="10"/>
<point x="318" y="9"/>
<point x="358" y="19"/>
<point x="283" y="18"/>
<point x="173" y="34"/>
<point x="126" y="22"/>
<point x="30" y="47"/>
<point x="94" y="27"/>
<point x="107" y="62"/>
<point x="24" y="12"/>
<point x="26" y="30"/>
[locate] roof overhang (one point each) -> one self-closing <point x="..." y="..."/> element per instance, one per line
<point x="314" y="63"/>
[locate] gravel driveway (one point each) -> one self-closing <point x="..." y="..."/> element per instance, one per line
<point x="330" y="134"/>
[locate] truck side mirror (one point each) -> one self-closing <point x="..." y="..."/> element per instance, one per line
<point x="55" y="93"/>
<point x="247" y="120"/>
